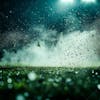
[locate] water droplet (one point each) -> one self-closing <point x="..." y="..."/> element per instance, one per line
<point x="20" y="97"/>
<point x="32" y="76"/>
<point x="9" y="80"/>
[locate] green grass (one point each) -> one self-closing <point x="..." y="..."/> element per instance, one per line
<point x="51" y="83"/>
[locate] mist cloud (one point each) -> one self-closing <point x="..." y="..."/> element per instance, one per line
<point x="73" y="49"/>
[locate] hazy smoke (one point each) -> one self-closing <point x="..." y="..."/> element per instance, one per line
<point x="74" y="49"/>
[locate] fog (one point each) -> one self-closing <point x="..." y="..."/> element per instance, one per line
<point x="77" y="48"/>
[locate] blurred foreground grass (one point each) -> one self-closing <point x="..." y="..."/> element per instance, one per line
<point x="49" y="83"/>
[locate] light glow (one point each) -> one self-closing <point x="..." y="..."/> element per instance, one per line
<point x="89" y="1"/>
<point x="67" y="1"/>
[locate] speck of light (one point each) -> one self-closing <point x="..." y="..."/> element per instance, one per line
<point x="32" y="76"/>
<point x="20" y="97"/>
<point x="98" y="86"/>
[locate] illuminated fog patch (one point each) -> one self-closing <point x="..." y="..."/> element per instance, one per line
<point x="74" y="49"/>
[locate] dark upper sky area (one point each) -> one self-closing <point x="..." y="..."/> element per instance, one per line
<point x="21" y="14"/>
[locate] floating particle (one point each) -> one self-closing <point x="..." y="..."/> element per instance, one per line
<point x="10" y="86"/>
<point x="18" y="73"/>
<point x="9" y="80"/>
<point x="32" y="76"/>
<point x="10" y="11"/>
<point x="96" y="73"/>
<point x="98" y="86"/>
<point x="68" y="80"/>
<point x="76" y="72"/>
<point x="50" y="80"/>
<point x="92" y="71"/>
<point x="20" y="97"/>
<point x="26" y="94"/>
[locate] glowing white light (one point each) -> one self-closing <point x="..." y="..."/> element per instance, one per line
<point x="63" y="5"/>
<point x="89" y="1"/>
<point x="67" y="1"/>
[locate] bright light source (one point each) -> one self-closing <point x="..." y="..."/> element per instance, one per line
<point x="67" y="1"/>
<point x="63" y="5"/>
<point x="89" y="1"/>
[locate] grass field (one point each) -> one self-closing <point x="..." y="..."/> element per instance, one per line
<point x="49" y="83"/>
